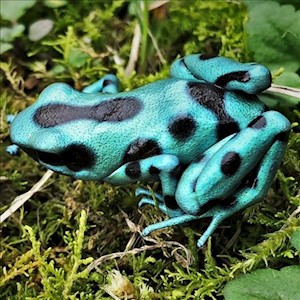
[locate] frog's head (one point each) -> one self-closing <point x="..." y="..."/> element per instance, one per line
<point x="70" y="132"/>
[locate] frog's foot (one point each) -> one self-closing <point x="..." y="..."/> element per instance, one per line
<point x="150" y="198"/>
<point x="159" y="202"/>
<point x="145" y="192"/>
<point x="108" y="84"/>
<point x="10" y="118"/>
<point x="176" y="220"/>
<point x="13" y="150"/>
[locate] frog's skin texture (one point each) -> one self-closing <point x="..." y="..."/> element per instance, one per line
<point x="202" y="133"/>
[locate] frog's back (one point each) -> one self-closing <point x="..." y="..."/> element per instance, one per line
<point x="186" y="117"/>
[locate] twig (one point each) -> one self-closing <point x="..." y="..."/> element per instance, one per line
<point x="135" y="229"/>
<point x="155" y="45"/>
<point x="157" y="4"/>
<point x="156" y="245"/>
<point x="292" y="215"/>
<point x="134" y="52"/>
<point x="136" y="41"/>
<point x="285" y="90"/>
<point x="21" y="199"/>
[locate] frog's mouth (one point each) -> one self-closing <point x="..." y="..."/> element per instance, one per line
<point x="74" y="157"/>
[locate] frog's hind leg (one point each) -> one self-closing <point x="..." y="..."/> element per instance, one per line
<point x="253" y="188"/>
<point x="238" y="174"/>
<point x="251" y="78"/>
<point x="108" y="84"/>
<point x="146" y="193"/>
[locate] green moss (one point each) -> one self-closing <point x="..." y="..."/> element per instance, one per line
<point x="47" y="245"/>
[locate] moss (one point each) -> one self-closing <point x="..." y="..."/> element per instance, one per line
<point x="48" y="245"/>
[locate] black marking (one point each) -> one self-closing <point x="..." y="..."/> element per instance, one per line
<point x="194" y="185"/>
<point x="282" y="136"/>
<point x="251" y="179"/>
<point x="31" y="152"/>
<point x="230" y="163"/>
<point x="228" y="203"/>
<point x="133" y="170"/>
<point x="226" y="129"/>
<point x="182" y="127"/>
<point x="208" y="205"/>
<point x="140" y="149"/>
<point x="170" y="202"/>
<point x="154" y="171"/>
<point x="107" y="82"/>
<point x="240" y="76"/>
<point x="265" y="108"/>
<point x="258" y="123"/>
<point x="177" y="172"/>
<point x="199" y="157"/>
<point x="114" y="110"/>
<point x="75" y="157"/>
<point x="207" y="56"/>
<point x="212" y="98"/>
<point x="182" y="61"/>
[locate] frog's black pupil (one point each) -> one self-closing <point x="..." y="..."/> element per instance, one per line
<point x="74" y="157"/>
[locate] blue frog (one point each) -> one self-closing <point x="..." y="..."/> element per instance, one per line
<point x="202" y="132"/>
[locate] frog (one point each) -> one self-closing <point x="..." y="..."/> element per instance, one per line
<point x="202" y="133"/>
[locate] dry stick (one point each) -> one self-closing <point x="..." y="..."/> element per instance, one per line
<point x="137" y="36"/>
<point x="157" y="245"/>
<point x="155" y="45"/>
<point x="157" y="4"/>
<point x="21" y="199"/>
<point x="285" y="90"/>
<point x="134" y="52"/>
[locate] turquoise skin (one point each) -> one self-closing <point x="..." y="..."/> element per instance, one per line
<point x="203" y="133"/>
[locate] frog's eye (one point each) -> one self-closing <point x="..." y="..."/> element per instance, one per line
<point x="75" y="157"/>
<point x="57" y="92"/>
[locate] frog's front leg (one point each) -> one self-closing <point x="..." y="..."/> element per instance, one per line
<point x="164" y="167"/>
<point x="108" y="84"/>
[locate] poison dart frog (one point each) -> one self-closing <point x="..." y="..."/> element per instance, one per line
<point x="202" y="133"/>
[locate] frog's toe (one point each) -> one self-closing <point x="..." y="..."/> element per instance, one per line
<point x="10" y="118"/>
<point x="145" y="201"/>
<point x="145" y="192"/>
<point x="201" y="242"/>
<point x="162" y="207"/>
<point x="13" y="150"/>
